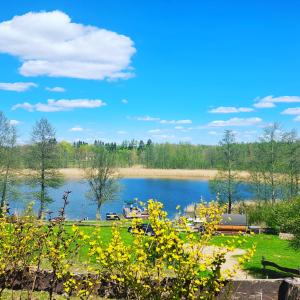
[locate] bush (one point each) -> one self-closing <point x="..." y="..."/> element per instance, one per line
<point x="282" y="216"/>
<point x="164" y="266"/>
<point x="288" y="218"/>
<point x="263" y="213"/>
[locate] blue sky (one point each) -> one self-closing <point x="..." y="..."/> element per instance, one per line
<point x="166" y="70"/>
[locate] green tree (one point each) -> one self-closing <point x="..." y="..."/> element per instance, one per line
<point x="267" y="163"/>
<point x="8" y="158"/>
<point x="44" y="160"/>
<point x="66" y="154"/>
<point x="291" y="163"/>
<point x="225" y="183"/>
<point x="102" y="179"/>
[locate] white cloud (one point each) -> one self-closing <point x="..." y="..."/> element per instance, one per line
<point x="154" y="119"/>
<point x="230" y="109"/>
<point x="297" y="119"/>
<point x="178" y="127"/>
<point x="264" y="105"/>
<point x="60" y="105"/>
<point x="56" y="89"/>
<point x="175" y="121"/>
<point x="124" y="101"/>
<point x="76" y="129"/>
<point x="147" y="119"/>
<point x="235" y="122"/>
<point x="269" y="101"/>
<point x="49" y="43"/>
<point x="17" y="86"/>
<point x="291" y="111"/>
<point x="14" y="122"/>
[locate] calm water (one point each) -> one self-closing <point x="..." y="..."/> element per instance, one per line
<point x="170" y="192"/>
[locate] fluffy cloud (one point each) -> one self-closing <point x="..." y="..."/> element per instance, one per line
<point x="16" y="86"/>
<point x="270" y="101"/>
<point x="49" y="43"/>
<point x="291" y="111"/>
<point x="60" y="105"/>
<point x="235" y="122"/>
<point x="76" y="129"/>
<point x="121" y="132"/>
<point x="56" y="89"/>
<point x="124" y="101"/>
<point x="229" y="110"/>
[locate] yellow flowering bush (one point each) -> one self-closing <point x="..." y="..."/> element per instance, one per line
<point x="173" y="263"/>
<point x="19" y="244"/>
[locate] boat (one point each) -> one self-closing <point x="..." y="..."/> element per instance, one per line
<point x="132" y="210"/>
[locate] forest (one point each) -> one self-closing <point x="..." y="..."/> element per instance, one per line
<point x="175" y="156"/>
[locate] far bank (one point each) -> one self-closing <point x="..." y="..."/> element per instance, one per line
<point x="139" y="172"/>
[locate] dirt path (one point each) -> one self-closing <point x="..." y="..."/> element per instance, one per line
<point x="231" y="261"/>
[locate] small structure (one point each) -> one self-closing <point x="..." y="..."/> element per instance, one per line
<point x="112" y="216"/>
<point x="132" y="210"/>
<point x="233" y="223"/>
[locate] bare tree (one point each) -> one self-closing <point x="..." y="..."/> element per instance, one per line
<point x="102" y="179"/>
<point x="44" y="160"/>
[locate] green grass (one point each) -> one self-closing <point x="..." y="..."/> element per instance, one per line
<point x="106" y="235"/>
<point x="269" y="246"/>
<point x="273" y="249"/>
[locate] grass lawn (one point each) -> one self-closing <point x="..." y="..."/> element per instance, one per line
<point x="273" y="249"/>
<point x="269" y="246"/>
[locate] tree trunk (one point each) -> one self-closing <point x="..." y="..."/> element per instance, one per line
<point x="3" y="197"/>
<point x="4" y="191"/>
<point x="42" y="195"/>
<point x="229" y="193"/>
<point x="98" y="213"/>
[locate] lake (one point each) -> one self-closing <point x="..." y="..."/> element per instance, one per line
<point x="170" y="192"/>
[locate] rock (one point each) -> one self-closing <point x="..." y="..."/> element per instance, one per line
<point x="286" y="236"/>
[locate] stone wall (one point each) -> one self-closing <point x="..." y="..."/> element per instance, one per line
<point x="262" y="289"/>
<point x="255" y="289"/>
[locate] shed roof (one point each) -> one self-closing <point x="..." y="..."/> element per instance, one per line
<point x="233" y="219"/>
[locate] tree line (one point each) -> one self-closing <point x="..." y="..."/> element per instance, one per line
<point x="273" y="162"/>
<point x="159" y="155"/>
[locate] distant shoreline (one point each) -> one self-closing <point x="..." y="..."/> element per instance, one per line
<point x="139" y="172"/>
